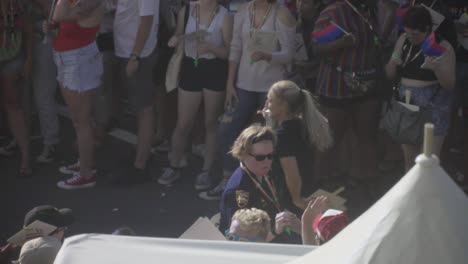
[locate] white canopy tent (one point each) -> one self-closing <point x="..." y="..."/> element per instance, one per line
<point x="422" y="219"/>
<point x="103" y="249"/>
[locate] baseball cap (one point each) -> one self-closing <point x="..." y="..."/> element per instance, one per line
<point x="50" y="215"/>
<point x="42" y="250"/>
<point x="330" y="223"/>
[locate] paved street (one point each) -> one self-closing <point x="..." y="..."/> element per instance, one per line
<point x="149" y="209"/>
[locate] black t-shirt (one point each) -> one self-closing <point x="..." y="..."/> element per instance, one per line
<point x="292" y="142"/>
<point x="457" y="8"/>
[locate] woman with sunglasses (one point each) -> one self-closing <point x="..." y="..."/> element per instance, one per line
<point x="250" y="186"/>
<point x="301" y="129"/>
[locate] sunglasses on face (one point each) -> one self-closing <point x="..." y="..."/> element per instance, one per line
<point x="234" y="237"/>
<point x="261" y="157"/>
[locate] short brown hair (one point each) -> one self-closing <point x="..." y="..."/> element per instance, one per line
<point x="251" y="135"/>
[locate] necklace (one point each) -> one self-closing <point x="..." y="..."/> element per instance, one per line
<point x="407" y="59"/>
<point x="253" y="27"/>
<point x="273" y="198"/>
<point x="197" y="39"/>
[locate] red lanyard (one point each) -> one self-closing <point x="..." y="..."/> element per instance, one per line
<point x="274" y="199"/>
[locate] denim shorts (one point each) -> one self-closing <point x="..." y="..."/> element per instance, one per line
<point x="440" y="104"/>
<point x="79" y="70"/>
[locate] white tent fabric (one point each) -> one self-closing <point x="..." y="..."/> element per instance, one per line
<point x="422" y="219"/>
<point x="103" y="249"/>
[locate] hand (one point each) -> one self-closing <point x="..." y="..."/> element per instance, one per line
<point x="396" y="58"/>
<point x="132" y="67"/>
<point x="204" y="48"/>
<point x="287" y="219"/>
<point x="27" y="68"/>
<point x="432" y="63"/>
<point x="314" y="208"/>
<point x="231" y="95"/>
<point x="260" y="55"/>
<point x="173" y="41"/>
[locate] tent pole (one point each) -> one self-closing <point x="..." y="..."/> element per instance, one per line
<point x="428" y="139"/>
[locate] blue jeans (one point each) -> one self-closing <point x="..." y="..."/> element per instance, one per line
<point x="234" y="121"/>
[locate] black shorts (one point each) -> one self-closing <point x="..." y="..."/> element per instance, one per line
<point x="210" y="74"/>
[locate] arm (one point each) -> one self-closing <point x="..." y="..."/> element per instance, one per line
<point x="330" y="48"/>
<point x="444" y="67"/>
<point x="287" y="35"/>
<point x="223" y="52"/>
<point x="174" y="41"/>
<point x="314" y="208"/>
<point x="235" y="53"/>
<point x="293" y="180"/>
<point x="395" y="59"/>
<point x="143" y="33"/>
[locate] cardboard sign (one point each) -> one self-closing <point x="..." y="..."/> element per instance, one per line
<point x="263" y="41"/>
<point x="334" y="200"/>
<point x="437" y="18"/>
<point x="202" y="229"/>
<point x="35" y="229"/>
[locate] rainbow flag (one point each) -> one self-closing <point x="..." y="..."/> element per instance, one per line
<point x="431" y="48"/>
<point x="328" y="34"/>
<point x="400" y="13"/>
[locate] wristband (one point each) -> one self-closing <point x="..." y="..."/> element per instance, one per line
<point x="135" y="57"/>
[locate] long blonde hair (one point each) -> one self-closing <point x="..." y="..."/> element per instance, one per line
<point x="301" y="104"/>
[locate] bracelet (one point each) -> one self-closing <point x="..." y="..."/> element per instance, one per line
<point x="395" y="55"/>
<point x="135" y="57"/>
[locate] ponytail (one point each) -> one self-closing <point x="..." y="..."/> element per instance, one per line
<point x="302" y="105"/>
<point x="317" y="127"/>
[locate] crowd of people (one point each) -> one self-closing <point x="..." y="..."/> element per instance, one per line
<point x="319" y="74"/>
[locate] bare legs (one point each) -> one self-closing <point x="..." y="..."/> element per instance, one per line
<point x="80" y="106"/>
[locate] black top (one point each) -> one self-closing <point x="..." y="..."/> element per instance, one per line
<point x="411" y="68"/>
<point x="292" y="142"/>
<point x="240" y="193"/>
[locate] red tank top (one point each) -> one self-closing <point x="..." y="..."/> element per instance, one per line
<point x="72" y="36"/>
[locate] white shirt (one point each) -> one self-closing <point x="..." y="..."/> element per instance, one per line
<point x="215" y="30"/>
<point x="127" y="20"/>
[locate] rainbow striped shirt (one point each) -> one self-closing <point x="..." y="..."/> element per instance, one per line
<point x="330" y="81"/>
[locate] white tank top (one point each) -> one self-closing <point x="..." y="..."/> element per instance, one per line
<point x="215" y="36"/>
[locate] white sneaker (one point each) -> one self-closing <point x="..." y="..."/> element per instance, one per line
<point x="47" y="155"/>
<point x="202" y="181"/>
<point x="215" y="193"/>
<point x="169" y="176"/>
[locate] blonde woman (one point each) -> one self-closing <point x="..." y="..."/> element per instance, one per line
<point x="252" y="71"/>
<point x="203" y="78"/>
<point x="301" y="129"/>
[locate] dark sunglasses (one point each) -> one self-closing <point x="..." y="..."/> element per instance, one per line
<point x="262" y="157"/>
